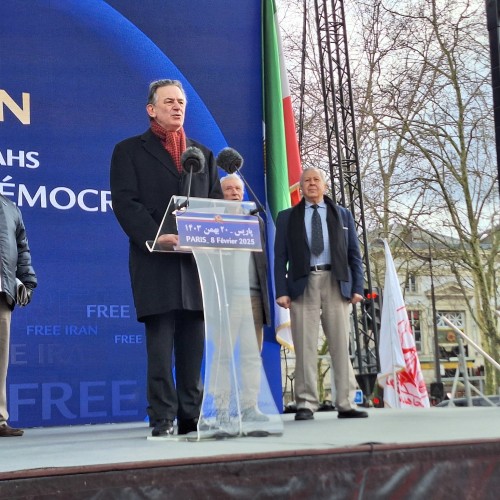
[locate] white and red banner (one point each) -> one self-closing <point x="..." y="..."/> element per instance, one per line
<point x="400" y="373"/>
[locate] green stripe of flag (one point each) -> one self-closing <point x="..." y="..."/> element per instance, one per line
<point x="276" y="169"/>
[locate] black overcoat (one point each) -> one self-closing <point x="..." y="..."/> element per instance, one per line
<point x="143" y="179"/>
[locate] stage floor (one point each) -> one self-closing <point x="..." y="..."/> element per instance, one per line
<point x="112" y="446"/>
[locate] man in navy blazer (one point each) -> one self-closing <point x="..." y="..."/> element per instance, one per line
<point x="318" y="284"/>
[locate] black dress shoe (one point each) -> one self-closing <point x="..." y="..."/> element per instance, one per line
<point x="187" y="425"/>
<point x="304" y="414"/>
<point x="8" y="431"/>
<point x="352" y="414"/>
<point x="163" y="427"/>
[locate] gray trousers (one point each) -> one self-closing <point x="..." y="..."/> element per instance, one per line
<point x="321" y="301"/>
<point x="5" y="316"/>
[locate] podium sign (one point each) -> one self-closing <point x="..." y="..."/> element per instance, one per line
<point x="196" y="229"/>
<point x="195" y="215"/>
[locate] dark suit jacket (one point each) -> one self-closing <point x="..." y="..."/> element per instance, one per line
<point x="143" y="179"/>
<point x="260" y="259"/>
<point x="291" y="273"/>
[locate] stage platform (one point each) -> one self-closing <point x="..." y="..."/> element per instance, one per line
<point x="435" y="453"/>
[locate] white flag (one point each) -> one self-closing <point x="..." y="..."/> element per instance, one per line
<point x="400" y="373"/>
<point x="282" y="323"/>
<point x="283" y="327"/>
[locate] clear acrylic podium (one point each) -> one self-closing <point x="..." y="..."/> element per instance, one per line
<point x="222" y="235"/>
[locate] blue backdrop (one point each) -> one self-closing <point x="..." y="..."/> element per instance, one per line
<point x="73" y="82"/>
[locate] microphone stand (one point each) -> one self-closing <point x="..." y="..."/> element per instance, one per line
<point x="260" y="207"/>
<point x="185" y="203"/>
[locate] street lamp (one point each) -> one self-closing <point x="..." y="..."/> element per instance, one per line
<point x="425" y="258"/>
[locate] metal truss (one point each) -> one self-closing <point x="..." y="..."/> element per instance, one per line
<point x="343" y="162"/>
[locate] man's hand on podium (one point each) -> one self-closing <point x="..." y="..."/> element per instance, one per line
<point x="168" y="241"/>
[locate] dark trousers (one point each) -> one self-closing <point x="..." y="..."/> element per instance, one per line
<point x="175" y="338"/>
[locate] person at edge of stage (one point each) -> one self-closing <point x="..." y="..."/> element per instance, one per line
<point x="146" y="172"/>
<point x="233" y="190"/>
<point x="318" y="276"/>
<point x="17" y="281"/>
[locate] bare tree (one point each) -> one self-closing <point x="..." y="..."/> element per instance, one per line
<point x="445" y="135"/>
<point x="422" y="92"/>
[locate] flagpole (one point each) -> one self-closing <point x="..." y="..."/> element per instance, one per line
<point x="396" y="387"/>
<point x="434" y="322"/>
<point x="394" y="321"/>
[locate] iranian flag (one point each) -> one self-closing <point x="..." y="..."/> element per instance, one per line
<point x="282" y="159"/>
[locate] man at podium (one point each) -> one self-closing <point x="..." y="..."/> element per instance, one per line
<point x="146" y="171"/>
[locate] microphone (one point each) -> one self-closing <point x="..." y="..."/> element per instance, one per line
<point x="229" y="160"/>
<point x="193" y="162"/>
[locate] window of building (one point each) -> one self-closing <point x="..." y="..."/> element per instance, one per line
<point x="448" y="339"/>
<point x="414" y="318"/>
<point x="411" y="283"/>
<point x="446" y="334"/>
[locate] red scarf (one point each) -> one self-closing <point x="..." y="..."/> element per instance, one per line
<point x="173" y="142"/>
